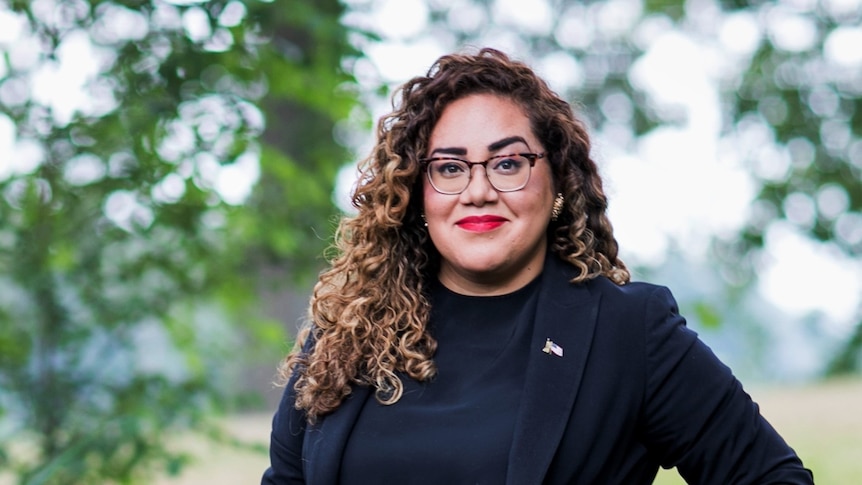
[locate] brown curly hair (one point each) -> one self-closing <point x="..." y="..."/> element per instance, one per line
<point x="368" y="313"/>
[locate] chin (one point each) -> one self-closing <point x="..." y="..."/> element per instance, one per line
<point x="481" y="268"/>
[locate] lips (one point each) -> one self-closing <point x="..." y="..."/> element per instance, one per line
<point x="481" y="223"/>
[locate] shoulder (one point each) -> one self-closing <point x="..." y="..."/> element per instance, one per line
<point x="562" y="273"/>
<point x="632" y="297"/>
<point x="637" y="295"/>
<point x="632" y="290"/>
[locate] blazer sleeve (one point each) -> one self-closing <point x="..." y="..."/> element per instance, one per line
<point x="286" y="439"/>
<point x="699" y="418"/>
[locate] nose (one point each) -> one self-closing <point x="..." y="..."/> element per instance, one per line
<point x="479" y="190"/>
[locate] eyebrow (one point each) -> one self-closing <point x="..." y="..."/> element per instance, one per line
<point x="493" y="147"/>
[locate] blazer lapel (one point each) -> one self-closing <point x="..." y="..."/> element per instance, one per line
<point x="325" y="441"/>
<point x="566" y="314"/>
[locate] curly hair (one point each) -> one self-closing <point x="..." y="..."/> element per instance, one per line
<point x="367" y="318"/>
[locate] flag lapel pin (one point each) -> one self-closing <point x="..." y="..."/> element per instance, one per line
<point x="552" y="348"/>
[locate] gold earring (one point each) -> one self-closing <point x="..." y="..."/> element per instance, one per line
<point x="558" y="207"/>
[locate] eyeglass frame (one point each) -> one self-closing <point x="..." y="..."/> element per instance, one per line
<point x="531" y="157"/>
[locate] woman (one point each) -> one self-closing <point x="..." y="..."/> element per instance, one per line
<point x="477" y="325"/>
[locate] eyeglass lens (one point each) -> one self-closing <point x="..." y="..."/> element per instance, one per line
<point x="506" y="173"/>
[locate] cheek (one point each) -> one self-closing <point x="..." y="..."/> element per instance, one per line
<point x="545" y="193"/>
<point x="427" y="198"/>
<point x="433" y="205"/>
<point x="540" y="196"/>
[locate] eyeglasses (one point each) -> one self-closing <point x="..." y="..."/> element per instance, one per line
<point x="506" y="173"/>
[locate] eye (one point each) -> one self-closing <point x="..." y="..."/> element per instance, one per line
<point x="448" y="168"/>
<point x="509" y="164"/>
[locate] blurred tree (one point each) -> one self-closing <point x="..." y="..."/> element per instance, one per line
<point x="801" y="97"/>
<point x="154" y="157"/>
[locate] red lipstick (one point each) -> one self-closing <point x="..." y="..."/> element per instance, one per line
<point x="480" y="223"/>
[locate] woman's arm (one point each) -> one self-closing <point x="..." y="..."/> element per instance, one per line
<point x="286" y="438"/>
<point x="285" y="448"/>
<point x="699" y="418"/>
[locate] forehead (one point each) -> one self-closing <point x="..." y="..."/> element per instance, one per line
<point x="479" y="120"/>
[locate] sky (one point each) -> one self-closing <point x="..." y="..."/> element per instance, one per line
<point x="674" y="188"/>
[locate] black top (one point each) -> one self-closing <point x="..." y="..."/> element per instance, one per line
<point x="457" y="428"/>
<point x="634" y="390"/>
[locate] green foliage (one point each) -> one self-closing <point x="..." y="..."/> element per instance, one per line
<point x="810" y="104"/>
<point x="707" y="314"/>
<point x="674" y="9"/>
<point x="125" y="257"/>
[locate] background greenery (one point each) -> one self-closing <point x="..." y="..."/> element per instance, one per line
<point x="131" y="276"/>
<point x="127" y="277"/>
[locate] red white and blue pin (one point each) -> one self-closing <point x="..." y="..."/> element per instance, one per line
<point x="552" y="348"/>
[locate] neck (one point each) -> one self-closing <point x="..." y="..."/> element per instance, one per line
<point x="491" y="283"/>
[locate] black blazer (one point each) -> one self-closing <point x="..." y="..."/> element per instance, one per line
<point x="634" y="390"/>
